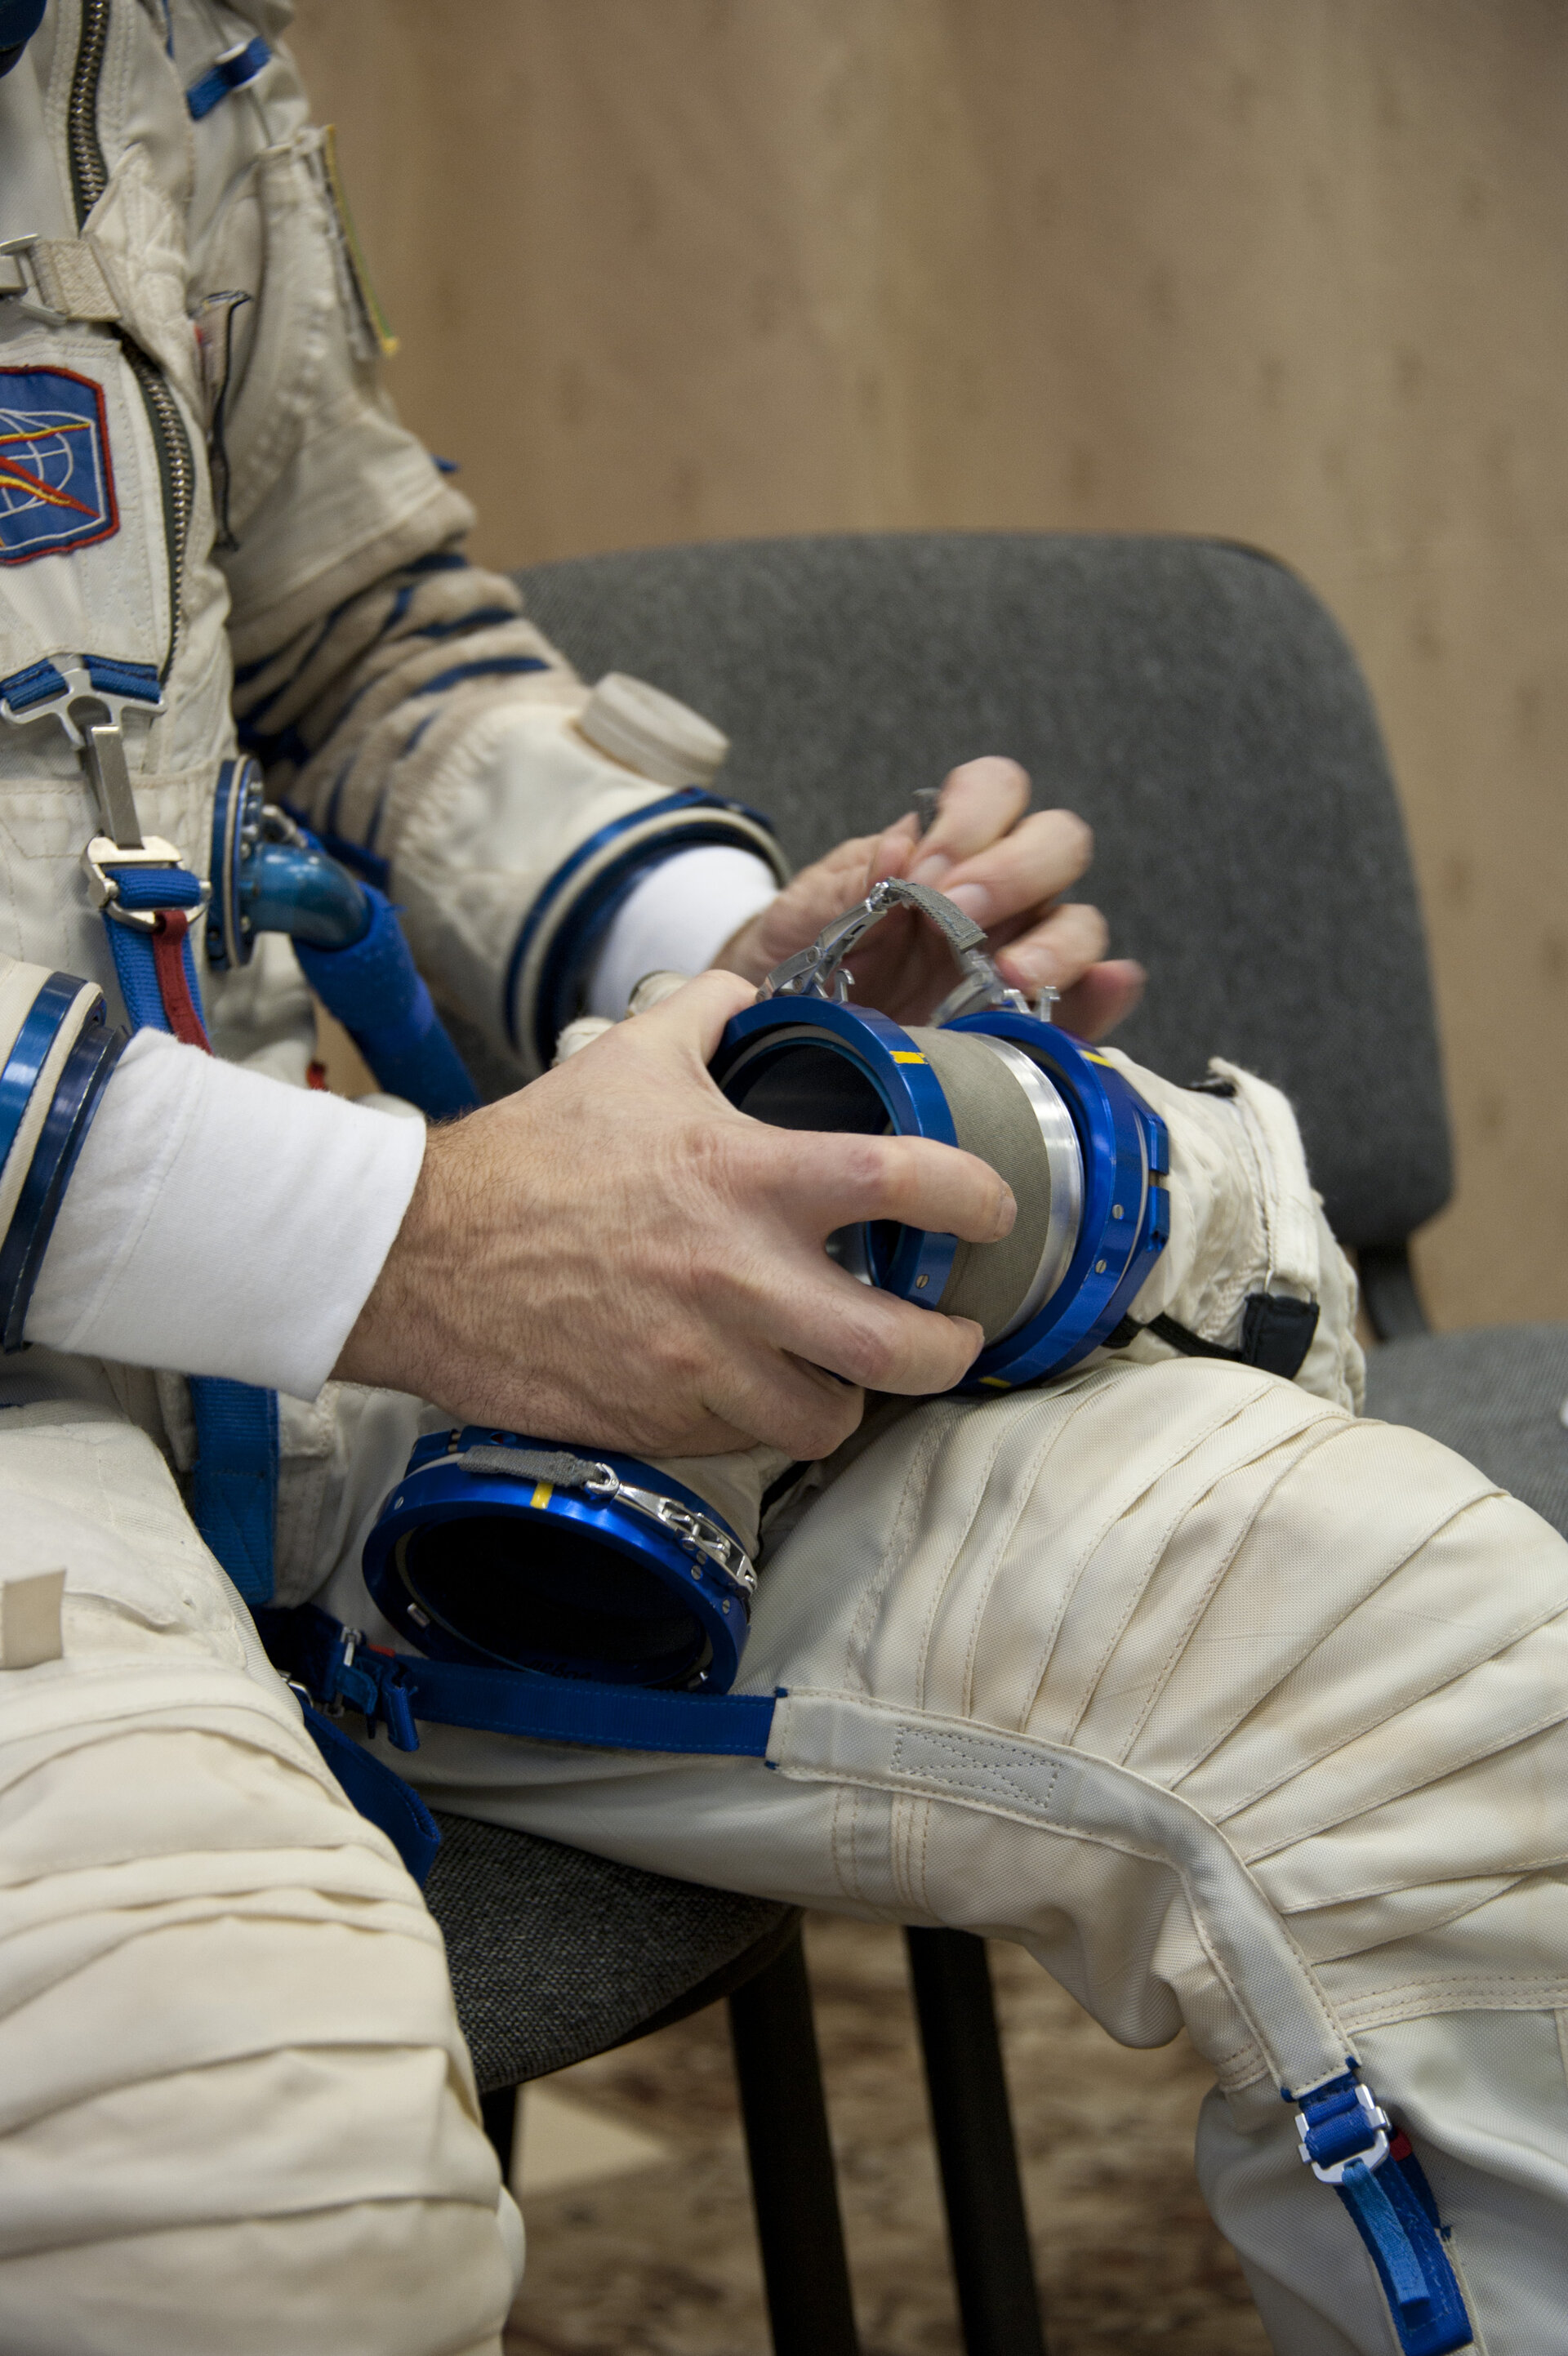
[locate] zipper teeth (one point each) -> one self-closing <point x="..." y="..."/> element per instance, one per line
<point x="177" y="470"/>
<point x="89" y="178"/>
<point x="89" y="173"/>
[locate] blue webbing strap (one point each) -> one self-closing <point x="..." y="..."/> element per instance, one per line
<point x="1391" y="2205"/>
<point x="233" y="1487"/>
<point x="232" y="1491"/>
<point x="379" y="1794"/>
<point x="231" y="71"/>
<point x="395" y="1688"/>
<point x="148" y="888"/>
<point x="376" y="991"/>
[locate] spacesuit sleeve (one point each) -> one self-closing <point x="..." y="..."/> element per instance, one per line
<point x="403" y="705"/>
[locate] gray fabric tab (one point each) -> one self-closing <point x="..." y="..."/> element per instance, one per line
<point x="73" y="280"/>
<point x="562" y="1472"/>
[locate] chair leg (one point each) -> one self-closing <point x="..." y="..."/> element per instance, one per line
<point x="793" y="2182"/>
<point x="499" y="2113"/>
<point x="987" y="2229"/>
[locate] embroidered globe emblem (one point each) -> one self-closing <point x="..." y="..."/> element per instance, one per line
<point x="57" y="490"/>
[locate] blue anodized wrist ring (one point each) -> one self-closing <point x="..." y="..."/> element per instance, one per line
<point x="1085" y="1157"/>
<point x="502" y="1552"/>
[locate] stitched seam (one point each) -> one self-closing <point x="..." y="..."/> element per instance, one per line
<point x="1305" y="1443"/>
<point x="1187" y="1501"/>
<point x="1389" y="1798"/>
<point x="1117" y="1512"/>
<point x="1440" y="1682"/>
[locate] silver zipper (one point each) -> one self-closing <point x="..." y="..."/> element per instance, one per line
<point x="89" y="178"/>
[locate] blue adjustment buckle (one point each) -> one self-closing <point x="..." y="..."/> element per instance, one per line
<point x="1351" y="2145"/>
<point x="1341" y="2125"/>
<point x="374" y="1682"/>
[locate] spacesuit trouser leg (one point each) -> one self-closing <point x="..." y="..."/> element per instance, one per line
<point x="236" y="2110"/>
<point x="1232" y="1709"/>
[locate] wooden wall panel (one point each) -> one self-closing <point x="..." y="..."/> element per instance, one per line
<point x="672" y="269"/>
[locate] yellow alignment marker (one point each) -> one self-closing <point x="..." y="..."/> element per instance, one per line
<point x="542" y="1493"/>
<point x="1096" y="1059"/>
<point x="994" y="1383"/>
<point x="905" y="1058"/>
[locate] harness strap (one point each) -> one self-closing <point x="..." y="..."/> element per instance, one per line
<point x="233" y="1487"/>
<point x="339" y="1669"/>
<point x="1350" y="2144"/>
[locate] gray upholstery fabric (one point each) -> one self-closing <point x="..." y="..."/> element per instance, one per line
<point x="1192" y="700"/>
<point x="556" y="1954"/>
<point x="1495" y="1395"/>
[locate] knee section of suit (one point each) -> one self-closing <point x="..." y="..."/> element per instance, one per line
<point x="497" y="1551"/>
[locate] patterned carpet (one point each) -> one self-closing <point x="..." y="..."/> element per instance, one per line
<point x="662" y="2261"/>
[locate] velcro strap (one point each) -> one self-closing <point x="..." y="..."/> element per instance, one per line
<point x="1277" y="1332"/>
<point x="551" y="1464"/>
<point x="69" y="277"/>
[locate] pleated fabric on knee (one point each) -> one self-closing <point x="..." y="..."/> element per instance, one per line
<point x="235" y="2106"/>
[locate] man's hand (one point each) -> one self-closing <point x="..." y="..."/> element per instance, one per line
<point x="1005" y="870"/>
<point x="616" y="1254"/>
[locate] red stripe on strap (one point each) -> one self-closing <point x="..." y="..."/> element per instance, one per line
<point x="168" y="961"/>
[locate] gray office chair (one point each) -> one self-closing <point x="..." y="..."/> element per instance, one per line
<point x="1195" y="703"/>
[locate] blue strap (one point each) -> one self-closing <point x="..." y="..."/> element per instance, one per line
<point x="145" y="888"/>
<point x="233" y="1487"/>
<point x="378" y="1793"/>
<point x="111" y="676"/>
<point x="1394" y="2213"/>
<point x="232" y="71"/>
<point x="395" y="1689"/>
<point x="39" y="683"/>
<point x="376" y="991"/>
<point x="1391" y="2205"/>
<point x="232" y="1491"/>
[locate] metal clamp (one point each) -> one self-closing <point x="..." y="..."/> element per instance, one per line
<point x="698" y="1533"/>
<point x="101" y="854"/>
<point x="817" y="971"/>
<point x="1370" y="2157"/>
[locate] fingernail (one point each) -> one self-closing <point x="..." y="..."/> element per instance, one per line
<point x="973" y="899"/>
<point x="1034" y="967"/>
<point x="931" y="870"/>
<point x="1007" y="1214"/>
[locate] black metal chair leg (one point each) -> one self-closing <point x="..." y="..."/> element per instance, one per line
<point x="499" y="2113"/>
<point x="988" y="2231"/>
<point x="793" y="2182"/>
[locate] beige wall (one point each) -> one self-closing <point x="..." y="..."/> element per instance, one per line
<point x="1294" y="271"/>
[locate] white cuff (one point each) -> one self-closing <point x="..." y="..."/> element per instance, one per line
<point x="222" y="1222"/>
<point x="677" y="920"/>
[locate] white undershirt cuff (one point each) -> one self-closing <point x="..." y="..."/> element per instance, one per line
<point x="677" y="919"/>
<point x="219" y="1222"/>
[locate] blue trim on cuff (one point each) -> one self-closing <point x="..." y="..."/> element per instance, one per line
<point x="78" y="1094"/>
<point x="707" y="819"/>
<point x="39" y="1030"/>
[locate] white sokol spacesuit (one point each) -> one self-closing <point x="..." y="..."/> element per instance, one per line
<point x="1234" y="1709"/>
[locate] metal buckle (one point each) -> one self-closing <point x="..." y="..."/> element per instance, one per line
<point x="1371" y="2159"/>
<point x="102" y="854"/>
<point x="817" y="971"/>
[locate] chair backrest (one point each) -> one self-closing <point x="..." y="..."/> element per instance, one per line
<point x="1191" y="698"/>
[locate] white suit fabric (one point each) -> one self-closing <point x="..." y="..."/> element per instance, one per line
<point x="1233" y="1710"/>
